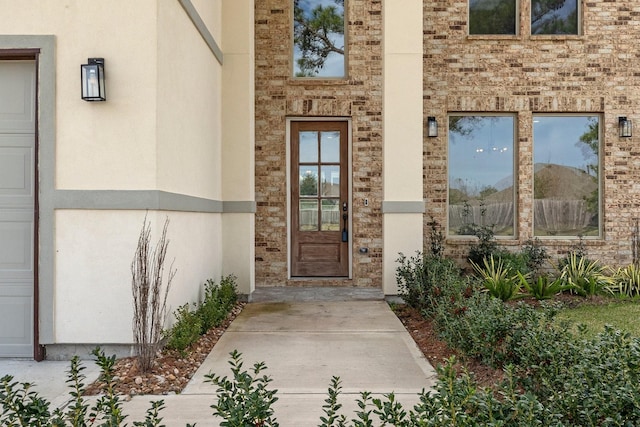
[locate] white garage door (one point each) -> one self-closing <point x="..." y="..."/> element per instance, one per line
<point x="17" y="172"/>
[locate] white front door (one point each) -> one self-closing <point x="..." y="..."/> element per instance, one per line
<point x="17" y="205"/>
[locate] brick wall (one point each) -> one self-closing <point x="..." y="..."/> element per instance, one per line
<point x="596" y="72"/>
<point x="278" y="96"/>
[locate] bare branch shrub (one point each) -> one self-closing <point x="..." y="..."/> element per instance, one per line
<point x="149" y="301"/>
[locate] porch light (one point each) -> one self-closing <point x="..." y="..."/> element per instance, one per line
<point x="92" y="80"/>
<point x="625" y="127"/>
<point x="432" y="127"/>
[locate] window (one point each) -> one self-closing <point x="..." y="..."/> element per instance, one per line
<point x="319" y="38"/>
<point x="481" y="170"/>
<point x="554" y="16"/>
<point x="492" y="17"/>
<point x="565" y="175"/>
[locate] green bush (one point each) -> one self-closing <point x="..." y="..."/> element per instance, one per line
<point x="499" y="280"/>
<point x="185" y="331"/>
<point x="485" y="328"/>
<point x="626" y="282"/>
<point x="535" y="255"/>
<point x="21" y="406"/>
<point x="585" y="277"/>
<point x="421" y="278"/>
<point x="543" y="287"/>
<point x="217" y="303"/>
<point x="244" y="400"/>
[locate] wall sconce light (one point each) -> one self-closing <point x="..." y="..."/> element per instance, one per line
<point x="92" y="80"/>
<point x="625" y="127"/>
<point x="432" y="127"/>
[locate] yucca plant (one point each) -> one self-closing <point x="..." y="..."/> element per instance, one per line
<point x="626" y="281"/>
<point x="499" y="280"/>
<point x="543" y="288"/>
<point x="585" y="277"/>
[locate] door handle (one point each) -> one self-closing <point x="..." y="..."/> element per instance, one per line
<point x="345" y="216"/>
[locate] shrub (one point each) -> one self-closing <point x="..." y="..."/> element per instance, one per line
<point x="436" y="238"/>
<point x="244" y="400"/>
<point x="217" y="303"/>
<point x="149" y="301"/>
<point x="542" y="287"/>
<point x="21" y="406"/>
<point x="626" y="281"/>
<point x="185" y="331"/>
<point x="485" y="328"/>
<point x="535" y="255"/>
<point x="486" y="245"/>
<point x="499" y="281"/>
<point x="421" y="278"/>
<point x="586" y="278"/>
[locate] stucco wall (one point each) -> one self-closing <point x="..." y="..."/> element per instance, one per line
<point x="279" y="96"/>
<point x="595" y="72"/>
<point x="188" y="108"/>
<point x="154" y="144"/>
<point x="93" y="302"/>
<point x="101" y="145"/>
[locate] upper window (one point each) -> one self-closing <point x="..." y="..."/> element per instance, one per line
<point x="481" y="170"/>
<point x="565" y="175"/>
<point x="492" y="17"/>
<point x="318" y="38"/>
<point x="554" y="16"/>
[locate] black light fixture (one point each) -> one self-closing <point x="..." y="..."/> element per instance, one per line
<point x="432" y="127"/>
<point x="92" y="80"/>
<point x="625" y="127"/>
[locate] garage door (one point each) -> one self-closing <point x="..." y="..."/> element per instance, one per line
<point x="17" y="201"/>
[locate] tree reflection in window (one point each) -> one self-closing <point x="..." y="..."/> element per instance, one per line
<point x="492" y="17"/>
<point x="554" y="16"/>
<point x="318" y="38"/>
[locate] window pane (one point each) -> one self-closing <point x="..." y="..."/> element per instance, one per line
<point x="330" y="215"/>
<point x="308" y="180"/>
<point x="308" y="147"/>
<point x="554" y="17"/>
<point x="318" y="38"/>
<point x="330" y="179"/>
<point x="330" y="147"/>
<point x="308" y="215"/>
<point x="565" y="180"/>
<point x="492" y="16"/>
<point x="481" y="193"/>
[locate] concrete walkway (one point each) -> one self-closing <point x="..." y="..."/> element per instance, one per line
<point x="303" y="345"/>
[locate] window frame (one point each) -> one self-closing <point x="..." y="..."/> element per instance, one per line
<point x="292" y="54"/>
<point x="514" y="173"/>
<point x="599" y="182"/>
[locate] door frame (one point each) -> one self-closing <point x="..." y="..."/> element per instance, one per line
<point x="33" y="54"/>
<point x="349" y="191"/>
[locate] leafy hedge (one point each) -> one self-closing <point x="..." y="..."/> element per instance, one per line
<point x="218" y="301"/>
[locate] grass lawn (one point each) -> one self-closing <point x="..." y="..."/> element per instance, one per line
<point x="622" y="315"/>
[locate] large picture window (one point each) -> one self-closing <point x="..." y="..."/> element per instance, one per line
<point x="554" y="16"/>
<point x="319" y="38"/>
<point x="492" y="16"/>
<point x="481" y="170"/>
<point x="566" y="175"/>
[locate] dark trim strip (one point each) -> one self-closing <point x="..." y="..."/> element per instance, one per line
<point x="145" y="199"/>
<point x="193" y="14"/>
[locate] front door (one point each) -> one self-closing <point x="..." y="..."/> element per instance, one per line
<point x="319" y="199"/>
<point x="17" y="203"/>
